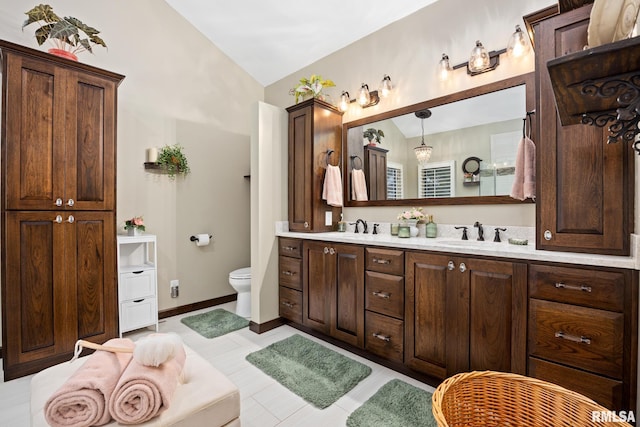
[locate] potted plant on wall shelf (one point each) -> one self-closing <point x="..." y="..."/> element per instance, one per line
<point x="372" y="134"/>
<point x="68" y="35"/>
<point x="172" y="159"/>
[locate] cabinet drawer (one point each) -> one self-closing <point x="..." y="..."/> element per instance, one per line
<point x="605" y="391"/>
<point x="591" y="288"/>
<point x="384" y="336"/>
<point x="585" y="338"/>
<point x="291" y="304"/>
<point x="384" y="294"/>
<point x="290" y="247"/>
<point x="137" y="314"/>
<point x="385" y="261"/>
<point x="290" y="270"/>
<point x="137" y="285"/>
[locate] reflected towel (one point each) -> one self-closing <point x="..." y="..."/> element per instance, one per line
<point x="143" y="392"/>
<point x="358" y="185"/>
<point x="83" y="399"/>
<point x="332" y="191"/>
<point x="524" y="181"/>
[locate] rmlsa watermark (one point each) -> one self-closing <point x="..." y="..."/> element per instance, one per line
<point x="613" y="416"/>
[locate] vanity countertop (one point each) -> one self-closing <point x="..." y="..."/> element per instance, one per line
<point x="473" y="247"/>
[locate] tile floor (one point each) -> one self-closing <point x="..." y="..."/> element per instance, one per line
<point x="265" y="403"/>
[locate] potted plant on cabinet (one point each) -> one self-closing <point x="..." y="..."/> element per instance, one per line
<point x="68" y="35"/>
<point x="314" y="86"/>
<point x="173" y="160"/>
<point x="372" y="134"/>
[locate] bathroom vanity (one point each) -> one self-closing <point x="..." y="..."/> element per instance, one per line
<point x="435" y="307"/>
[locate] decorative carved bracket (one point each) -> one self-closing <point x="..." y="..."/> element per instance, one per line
<point x="624" y="119"/>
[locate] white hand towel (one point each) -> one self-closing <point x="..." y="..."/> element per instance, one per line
<point x="332" y="190"/>
<point x="524" y="181"/>
<point x="358" y="185"/>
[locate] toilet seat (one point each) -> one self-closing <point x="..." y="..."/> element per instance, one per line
<point x="241" y="273"/>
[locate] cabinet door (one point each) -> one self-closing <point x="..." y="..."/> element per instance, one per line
<point x="36" y="305"/>
<point x="90" y="142"/>
<point x="430" y="304"/>
<point x="375" y="163"/>
<point x="585" y="194"/>
<point x="90" y="252"/>
<point x="319" y="272"/>
<point x="497" y="316"/>
<point x="348" y="309"/>
<point x="300" y="169"/>
<point x="33" y="148"/>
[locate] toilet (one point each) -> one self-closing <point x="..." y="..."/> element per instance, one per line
<point x="240" y="280"/>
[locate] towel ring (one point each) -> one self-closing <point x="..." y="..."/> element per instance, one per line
<point x="353" y="162"/>
<point x="329" y="153"/>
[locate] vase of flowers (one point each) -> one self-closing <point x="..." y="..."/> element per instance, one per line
<point x="134" y="226"/>
<point x="411" y="218"/>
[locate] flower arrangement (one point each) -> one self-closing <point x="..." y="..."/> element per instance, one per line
<point x="412" y="214"/>
<point x="135" y="223"/>
<point x="311" y="86"/>
<point x="67" y="33"/>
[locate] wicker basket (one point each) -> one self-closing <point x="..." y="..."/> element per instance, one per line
<point x="491" y="398"/>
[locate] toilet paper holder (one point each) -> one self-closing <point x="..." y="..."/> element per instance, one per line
<point x="195" y="238"/>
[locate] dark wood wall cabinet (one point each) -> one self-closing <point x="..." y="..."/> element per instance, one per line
<point x="58" y="207"/>
<point x="315" y="138"/>
<point x="375" y="172"/>
<point x="585" y="195"/>
<point x="433" y="315"/>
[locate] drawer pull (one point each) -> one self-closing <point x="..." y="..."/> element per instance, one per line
<point x="573" y="338"/>
<point x="381" y="261"/>
<point x="288" y="273"/>
<point x="289" y="248"/>
<point x="382" y="337"/>
<point x="583" y="288"/>
<point x="379" y="294"/>
<point x="138" y="300"/>
<point x="288" y="304"/>
<point x="137" y="272"/>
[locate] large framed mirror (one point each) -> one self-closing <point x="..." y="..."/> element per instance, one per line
<point x="473" y="137"/>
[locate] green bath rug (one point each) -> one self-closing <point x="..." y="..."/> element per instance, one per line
<point x="396" y="404"/>
<point x="312" y="371"/>
<point x="215" y="322"/>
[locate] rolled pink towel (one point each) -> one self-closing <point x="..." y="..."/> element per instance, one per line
<point x="143" y="392"/>
<point x="83" y="399"/>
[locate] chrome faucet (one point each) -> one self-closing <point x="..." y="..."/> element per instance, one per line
<point x="480" y="230"/>
<point x="364" y="223"/>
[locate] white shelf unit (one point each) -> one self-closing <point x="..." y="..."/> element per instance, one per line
<point x="137" y="282"/>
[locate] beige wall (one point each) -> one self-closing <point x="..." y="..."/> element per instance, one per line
<point x="409" y="50"/>
<point x="179" y="88"/>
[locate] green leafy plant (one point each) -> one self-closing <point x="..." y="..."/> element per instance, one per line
<point x="311" y="86"/>
<point x="174" y="160"/>
<point x="372" y="133"/>
<point x="67" y="33"/>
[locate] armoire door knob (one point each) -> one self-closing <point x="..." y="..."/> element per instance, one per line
<point x="58" y="219"/>
<point x="71" y="219"/>
<point x="70" y="202"/>
<point x="58" y="201"/>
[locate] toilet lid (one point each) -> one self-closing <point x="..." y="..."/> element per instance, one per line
<point x="241" y="273"/>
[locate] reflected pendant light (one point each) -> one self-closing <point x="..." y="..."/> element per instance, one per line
<point x="423" y="151"/>
<point x="364" y="97"/>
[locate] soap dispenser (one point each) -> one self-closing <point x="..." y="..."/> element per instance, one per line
<point x="342" y="225"/>
<point x="431" y="228"/>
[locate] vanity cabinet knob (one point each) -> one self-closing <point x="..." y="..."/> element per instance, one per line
<point x="381" y="337"/>
<point x="70" y="203"/>
<point x="325" y="250"/>
<point x="463" y="267"/>
<point x="58" y="219"/>
<point x="451" y="266"/>
<point x="332" y="251"/>
<point x="548" y="235"/>
<point x="71" y="219"/>
<point x="306" y="224"/>
<point x="58" y="201"/>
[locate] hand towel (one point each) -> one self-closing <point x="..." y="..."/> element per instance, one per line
<point x="83" y="399"/>
<point x="358" y="185"/>
<point x="145" y="391"/>
<point x="332" y="191"/>
<point x="524" y="181"/>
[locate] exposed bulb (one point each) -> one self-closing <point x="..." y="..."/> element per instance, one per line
<point x="444" y="68"/>
<point x="518" y="45"/>
<point x="479" y="59"/>
<point x="344" y="101"/>
<point x="364" y="98"/>
<point x="385" y="86"/>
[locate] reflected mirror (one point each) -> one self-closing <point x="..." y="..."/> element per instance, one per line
<point x="457" y="149"/>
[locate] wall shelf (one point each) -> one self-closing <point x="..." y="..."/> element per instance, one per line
<point x="600" y="86"/>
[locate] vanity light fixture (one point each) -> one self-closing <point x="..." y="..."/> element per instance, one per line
<point x="423" y="151"/>
<point x="444" y="68"/>
<point x="385" y="86"/>
<point x="344" y="101"/>
<point x="518" y="45"/>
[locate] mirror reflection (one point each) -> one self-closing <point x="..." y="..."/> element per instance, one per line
<point x="464" y="148"/>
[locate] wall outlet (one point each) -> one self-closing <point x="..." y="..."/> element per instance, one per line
<point x="175" y="288"/>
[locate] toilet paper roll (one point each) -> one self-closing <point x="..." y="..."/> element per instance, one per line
<point x="203" y="239"/>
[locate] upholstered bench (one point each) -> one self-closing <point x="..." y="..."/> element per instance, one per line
<point x="207" y="397"/>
